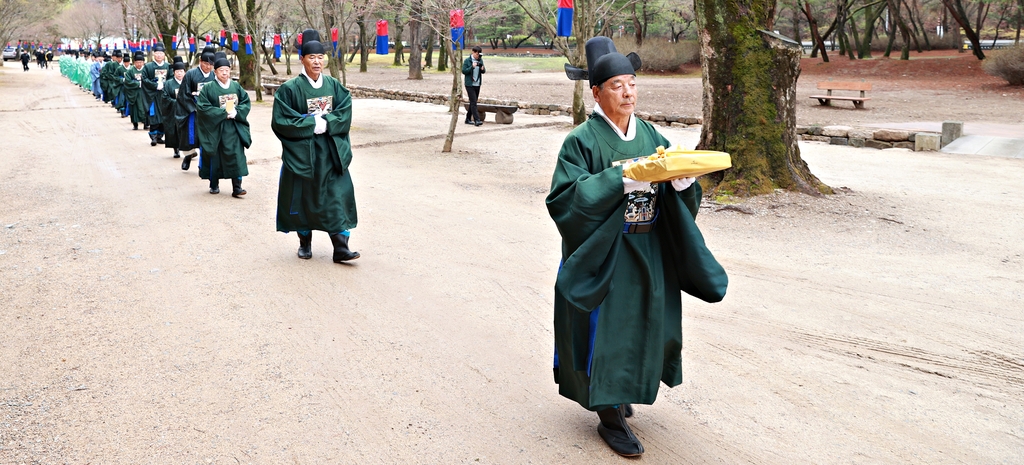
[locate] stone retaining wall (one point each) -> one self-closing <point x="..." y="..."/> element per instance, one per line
<point x="870" y="137"/>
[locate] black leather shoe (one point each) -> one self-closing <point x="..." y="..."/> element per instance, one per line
<point x="627" y="410"/>
<point x="238" y="193"/>
<point x="160" y="139"/>
<point x="305" y="245"/>
<point x="145" y="126"/>
<point x="469" y="122"/>
<point x="152" y="140"/>
<point x="616" y="433"/>
<point x="135" y="126"/>
<point x="341" y="250"/>
<point x="215" y="190"/>
<point x="478" y="123"/>
<point x="187" y="162"/>
<point x="177" y="154"/>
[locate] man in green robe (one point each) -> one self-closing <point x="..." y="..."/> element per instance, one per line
<point x="154" y="74"/>
<point x="312" y="116"/>
<point x="137" y="105"/>
<point x="185" y="108"/>
<point x="113" y="84"/>
<point x="222" y="107"/>
<point x="628" y="249"/>
<point x="167" y="100"/>
<point x="119" y="76"/>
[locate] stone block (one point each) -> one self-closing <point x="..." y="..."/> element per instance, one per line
<point x="891" y="135"/>
<point x="553" y="107"/>
<point x="912" y="136"/>
<point x="951" y="131"/>
<point x="903" y="145"/>
<point x="678" y="125"/>
<point x="544" y="111"/>
<point x="815" y="131"/>
<point x="691" y="120"/>
<point x="856" y="142"/>
<point x="505" y="118"/>
<point x="875" y="144"/>
<point x="671" y="118"/>
<point x="836" y="131"/>
<point x="927" y="141"/>
<point x="861" y="133"/>
<point x="813" y="138"/>
<point x="556" y="113"/>
<point x="838" y="141"/>
<point x="802" y="129"/>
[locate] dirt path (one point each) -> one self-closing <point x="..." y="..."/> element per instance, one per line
<point x="146" y="320"/>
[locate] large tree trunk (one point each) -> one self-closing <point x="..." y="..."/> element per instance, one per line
<point x="455" y="99"/>
<point x="415" y="63"/>
<point x="399" y="49"/>
<point x="750" y="99"/>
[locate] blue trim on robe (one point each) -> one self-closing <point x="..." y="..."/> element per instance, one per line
<point x="192" y="129"/>
<point x="593" y="335"/>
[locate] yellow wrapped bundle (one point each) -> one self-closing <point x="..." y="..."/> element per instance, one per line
<point x="675" y="163"/>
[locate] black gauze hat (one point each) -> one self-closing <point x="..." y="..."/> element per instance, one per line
<point x="221" y="62"/>
<point x="603" y="62"/>
<point x="311" y="43"/>
<point x="207" y="57"/>
<point x="210" y="48"/>
<point x="158" y="47"/>
<point x="178" y="63"/>
<point x="219" y="55"/>
<point x="117" y="53"/>
<point x="139" y="56"/>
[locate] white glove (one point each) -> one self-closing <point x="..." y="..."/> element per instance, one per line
<point x="232" y="113"/>
<point x="630" y="185"/>
<point x="321" y="125"/>
<point x="681" y="184"/>
<point x="160" y="86"/>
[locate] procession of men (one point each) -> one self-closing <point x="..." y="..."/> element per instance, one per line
<point x="617" y="338"/>
<point x="201" y="114"/>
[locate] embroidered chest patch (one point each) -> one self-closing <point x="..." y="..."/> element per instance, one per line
<point x="320" y="105"/>
<point x="224" y="99"/>
<point x="641" y="205"/>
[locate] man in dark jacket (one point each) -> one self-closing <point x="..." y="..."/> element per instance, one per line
<point x="473" y="69"/>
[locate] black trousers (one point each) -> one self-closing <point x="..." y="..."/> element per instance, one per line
<point x="474" y="94"/>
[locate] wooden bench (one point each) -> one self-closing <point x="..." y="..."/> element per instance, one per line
<point x="502" y="113"/>
<point x="271" y="88"/>
<point x="858" y="102"/>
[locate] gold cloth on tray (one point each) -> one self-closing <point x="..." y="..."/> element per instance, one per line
<point x="675" y="163"/>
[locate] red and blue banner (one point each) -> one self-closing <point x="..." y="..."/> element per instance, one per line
<point x="234" y="41"/>
<point x="248" y="44"/>
<point x="563" y="21"/>
<point x="223" y="37"/>
<point x="192" y="44"/>
<point x="174" y="42"/>
<point x="456" y="19"/>
<point x="334" y="40"/>
<point x="277" y="46"/>
<point x="382" y="37"/>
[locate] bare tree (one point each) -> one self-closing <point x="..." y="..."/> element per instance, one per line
<point x="587" y="18"/>
<point x="19" y="17"/>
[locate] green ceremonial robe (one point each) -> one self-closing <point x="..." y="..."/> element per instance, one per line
<point x="166" y="101"/>
<point x="138" y="107"/>
<point x="117" y="87"/>
<point x="106" y="76"/>
<point x="618" y="316"/>
<point x="152" y="75"/>
<point x="315" y="191"/>
<point x="223" y="140"/>
<point x="185" y="107"/>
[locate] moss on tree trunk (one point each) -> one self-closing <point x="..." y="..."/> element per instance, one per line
<point x="749" y="100"/>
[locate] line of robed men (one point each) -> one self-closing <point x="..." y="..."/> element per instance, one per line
<point x="181" y="113"/>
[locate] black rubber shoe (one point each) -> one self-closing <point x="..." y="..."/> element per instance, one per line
<point x="616" y="433"/>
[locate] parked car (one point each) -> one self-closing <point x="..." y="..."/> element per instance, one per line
<point x="10" y="53"/>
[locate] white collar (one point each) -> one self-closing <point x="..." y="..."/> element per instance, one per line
<point x="317" y="83"/>
<point x="205" y="75"/>
<point x="222" y="85"/>
<point x="630" y="129"/>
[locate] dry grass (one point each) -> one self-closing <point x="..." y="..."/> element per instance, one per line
<point x="1006" y="64"/>
<point x="659" y="55"/>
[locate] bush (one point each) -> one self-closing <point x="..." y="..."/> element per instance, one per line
<point x="1006" y="64"/>
<point x="657" y="54"/>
